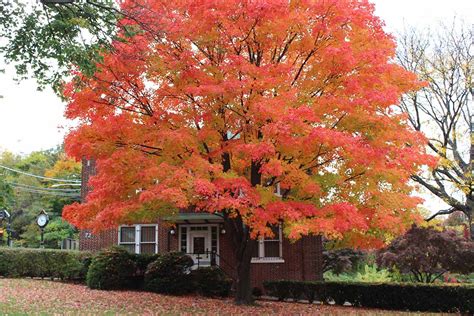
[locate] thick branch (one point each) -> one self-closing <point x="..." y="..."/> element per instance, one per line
<point x="442" y="212"/>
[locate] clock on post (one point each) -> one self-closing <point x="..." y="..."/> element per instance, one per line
<point x="42" y="220"/>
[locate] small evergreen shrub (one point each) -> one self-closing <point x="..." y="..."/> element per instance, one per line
<point x="142" y="261"/>
<point x="112" y="269"/>
<point x="170" y="274"/>
<point x="211" y="281"/>
<point x="43" y="263"/>
<point x="394" y="296"/>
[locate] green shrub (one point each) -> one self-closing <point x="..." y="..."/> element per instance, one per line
<point x="369" y="273"/>
<point x="395" y="296"/>
<point x="141" y="262"/>
<point x="343" y="277"/>
<point x="43" y="263"/>
<point x="112" y="269"/>
<point x="170" y="274"/>
<point x="211" y="281"/>
<point x="373" y="274"/>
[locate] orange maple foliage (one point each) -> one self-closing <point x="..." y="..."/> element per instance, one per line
<point x="209" y="105"/>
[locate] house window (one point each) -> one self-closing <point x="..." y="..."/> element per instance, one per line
<point x="139" y="238"/>
<point x="269" y="249"/>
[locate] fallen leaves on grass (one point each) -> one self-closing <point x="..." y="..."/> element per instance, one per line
<point x="47" y="297"/>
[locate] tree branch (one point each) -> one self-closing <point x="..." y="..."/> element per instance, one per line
<point x="442" y="212"/>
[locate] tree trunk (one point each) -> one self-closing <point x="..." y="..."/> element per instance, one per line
<point x="243" y="248"/>
<point x="243" y="294"/>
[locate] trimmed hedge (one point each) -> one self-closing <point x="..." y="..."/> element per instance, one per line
<point x="211" y="281"/>
<point x="44" y="263"/>
<point x="396" y="296"/>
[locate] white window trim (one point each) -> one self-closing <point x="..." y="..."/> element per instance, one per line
<point x="138" y="229"/>
<point x="261" y="250"/>
<point x="267" y="260"/>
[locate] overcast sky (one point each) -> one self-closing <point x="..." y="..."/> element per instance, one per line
<point x="32" y="120"/>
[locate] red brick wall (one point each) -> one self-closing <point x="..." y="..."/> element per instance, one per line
<point x="96" y="242"/>
<point x="303" y="261"/>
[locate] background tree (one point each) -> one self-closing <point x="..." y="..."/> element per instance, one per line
<point x="47" y="41"/>
<point x="427" y="254"/>
<point x="31" y="190"/>
<point x="5" y="194"/>
<point x="224" y="102"/>
<point x="443" y="110"/>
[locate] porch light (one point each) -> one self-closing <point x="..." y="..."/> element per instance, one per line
<point x="222" y="229"/>
<point x="172" y="231"/>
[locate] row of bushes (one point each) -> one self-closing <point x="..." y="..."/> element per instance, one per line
<point x="395" y="296"/>
<point x="116" y="269"/>
<point x="43" y="263"/>
<point x="170" y="273"/>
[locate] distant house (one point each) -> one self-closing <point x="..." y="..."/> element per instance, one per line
<point x="204" y="237"/>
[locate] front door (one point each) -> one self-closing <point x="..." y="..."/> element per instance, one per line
<point x="200" y="247"/>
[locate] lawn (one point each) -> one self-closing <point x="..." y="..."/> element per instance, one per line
<point x="26" y="296"/>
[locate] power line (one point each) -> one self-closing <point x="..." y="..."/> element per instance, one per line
<point x="41" y="188"/>
<point x="39" y="177"/>
<point x="49" y="193"/>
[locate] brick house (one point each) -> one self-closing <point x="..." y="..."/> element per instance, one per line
<point x="204" y="237"/>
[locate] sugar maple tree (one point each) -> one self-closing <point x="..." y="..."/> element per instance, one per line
<point x="214" y="103"/>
